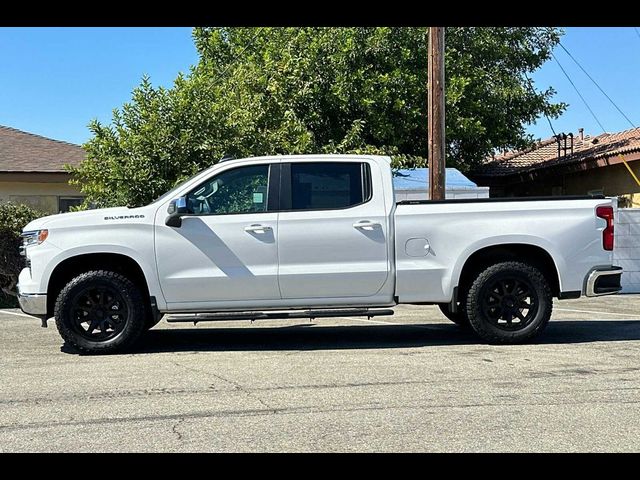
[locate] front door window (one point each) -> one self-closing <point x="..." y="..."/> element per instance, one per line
<point x="240" y="190"/>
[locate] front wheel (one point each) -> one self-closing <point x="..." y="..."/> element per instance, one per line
<point x="509" y="302"/>
<point x="100" y="312"/>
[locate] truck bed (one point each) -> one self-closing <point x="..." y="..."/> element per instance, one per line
<point x="450" y="231"/>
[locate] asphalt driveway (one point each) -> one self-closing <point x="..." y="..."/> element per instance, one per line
<point x="411" y="382"/>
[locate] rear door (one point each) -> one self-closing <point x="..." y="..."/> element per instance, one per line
<point x="332" y="231"/>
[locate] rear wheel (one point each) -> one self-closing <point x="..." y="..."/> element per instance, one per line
<point x="100" y="312"/>
<point x="459" y="317"/>
<point x="509" y="302"/>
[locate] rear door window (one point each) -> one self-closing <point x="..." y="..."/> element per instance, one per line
<point x="329" y="185"/>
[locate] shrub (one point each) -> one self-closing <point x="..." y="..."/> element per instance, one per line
<point x="13" y="218"/>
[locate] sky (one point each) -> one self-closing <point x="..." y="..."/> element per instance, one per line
<point x="53" y="81"/>
<point x="612" y="57"/>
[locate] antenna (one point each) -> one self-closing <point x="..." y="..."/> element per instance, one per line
<point x="562" y="138"/>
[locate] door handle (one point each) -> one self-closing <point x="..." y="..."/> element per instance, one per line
<point x="256" y="228"/>
<point x="366" y="224"/>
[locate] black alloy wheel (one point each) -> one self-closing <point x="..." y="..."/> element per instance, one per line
<point x="99" y="313"/>
<point x="509" y="302"/>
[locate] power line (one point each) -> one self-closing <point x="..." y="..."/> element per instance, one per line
<point x="596" y="84"/>
<point x="529" y="84"/>
<point x="578" y="92"/>
<point x="237" y="56"/>
<point x="550" y="125"/>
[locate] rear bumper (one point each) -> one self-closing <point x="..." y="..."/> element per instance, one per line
<point x="603" y="281"/>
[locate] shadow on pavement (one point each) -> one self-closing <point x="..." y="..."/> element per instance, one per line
<point x="303" y="337"/>
<point x="310" y="337"/>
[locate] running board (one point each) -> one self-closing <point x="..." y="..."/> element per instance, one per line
<point x="310" y="314"/>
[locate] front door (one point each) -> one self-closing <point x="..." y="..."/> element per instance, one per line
<point x="225" y="254"/>
<point x="332" y="231"/>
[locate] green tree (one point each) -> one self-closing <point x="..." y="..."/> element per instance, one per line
<point x="258" y="91"/>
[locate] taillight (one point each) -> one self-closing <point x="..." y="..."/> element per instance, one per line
<point x="606" y="212"/>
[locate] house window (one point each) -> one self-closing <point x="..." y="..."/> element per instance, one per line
<point x="65" y="203"/>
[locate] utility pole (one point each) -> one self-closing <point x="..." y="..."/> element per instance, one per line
<point x="435" y="112"/>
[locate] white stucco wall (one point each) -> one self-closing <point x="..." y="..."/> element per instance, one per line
<point x="626" y="252"/>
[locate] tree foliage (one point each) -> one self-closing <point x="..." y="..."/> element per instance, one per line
<point x="13" y="217"/>
<point x="258" y="91"/>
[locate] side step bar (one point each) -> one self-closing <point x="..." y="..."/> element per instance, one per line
<point x="310" y="314"/>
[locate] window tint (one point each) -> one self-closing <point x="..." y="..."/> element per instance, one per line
<point x="326" y="185"/>
<point x="241" y="190"/>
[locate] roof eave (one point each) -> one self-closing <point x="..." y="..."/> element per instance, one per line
<point x="532" y="174"/>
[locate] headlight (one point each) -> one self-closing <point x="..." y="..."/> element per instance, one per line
<point x="33" y="237"/>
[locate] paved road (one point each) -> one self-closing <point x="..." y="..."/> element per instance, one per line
<point x="411" y="382"/>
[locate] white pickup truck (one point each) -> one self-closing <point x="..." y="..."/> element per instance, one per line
<point x="312" y="236"/>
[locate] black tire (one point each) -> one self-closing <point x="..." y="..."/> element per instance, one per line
<point x="100" y="312"/>
<point x="459" y="318"/>
<point x="509" y="302"/>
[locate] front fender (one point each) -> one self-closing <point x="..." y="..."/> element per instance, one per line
<point x="147" y="267"/>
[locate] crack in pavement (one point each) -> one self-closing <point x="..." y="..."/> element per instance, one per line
<point x="237" y="386"/>
<point x="108" y="395"/>
<point x="142" y="393"/>
<point x="174" y="428"/>
<point x="305" y="410"/>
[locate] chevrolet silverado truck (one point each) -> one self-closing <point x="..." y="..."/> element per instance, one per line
<point x="309" y="237"/>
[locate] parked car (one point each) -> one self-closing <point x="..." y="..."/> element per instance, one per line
<point x="312" y="236"/>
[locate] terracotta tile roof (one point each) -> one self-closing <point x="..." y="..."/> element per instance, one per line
<point x="545" y="153"/>
<point x="26" y="152"/>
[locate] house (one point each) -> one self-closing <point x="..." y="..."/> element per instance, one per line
<point x="578" y="165"/>
<point x="32" y="171"/>
<point x="413" y="184"/>
<point x="568" y="165"/>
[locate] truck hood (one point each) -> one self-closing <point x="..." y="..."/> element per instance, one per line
<point x="87" y="217"/>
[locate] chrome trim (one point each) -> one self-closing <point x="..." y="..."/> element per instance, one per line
<point x="594" y="275"/>
<point x="33" y="304"/>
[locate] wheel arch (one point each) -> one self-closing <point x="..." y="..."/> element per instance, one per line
<point x="532" y="254"/>
<point x="74" y="265"/>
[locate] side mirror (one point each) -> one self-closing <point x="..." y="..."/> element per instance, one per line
<point x="177" y="208"/>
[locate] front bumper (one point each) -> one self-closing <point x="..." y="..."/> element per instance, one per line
<point x="603" y="281"/>
<point x="33" y="304"/>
